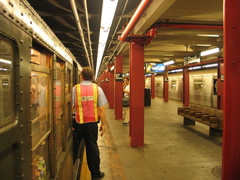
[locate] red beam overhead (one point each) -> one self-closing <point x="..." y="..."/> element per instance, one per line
<point x="140" y="10"/>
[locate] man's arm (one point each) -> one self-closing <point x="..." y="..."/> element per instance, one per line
<point x="103" y="118"/>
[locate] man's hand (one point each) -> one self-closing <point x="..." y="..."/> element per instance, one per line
<point x="102" y="128"/>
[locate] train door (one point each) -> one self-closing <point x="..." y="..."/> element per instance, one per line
<point x="58" y="105"/>
<point x="62" y="119"/>
<point x="41" y="104"/>
<point x="214" y="93"/>
<point x="15" y="149"/>
<point x="10" y="132"/>
<point x="67" y="105"/>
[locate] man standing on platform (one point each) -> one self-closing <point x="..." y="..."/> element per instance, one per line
<point x="88" y="101"/>
<point x="126" y="91"/>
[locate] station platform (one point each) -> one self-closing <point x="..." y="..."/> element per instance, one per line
<point x="171" y="151"/>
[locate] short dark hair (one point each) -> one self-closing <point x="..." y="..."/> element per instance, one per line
<point x="87" y="73"/>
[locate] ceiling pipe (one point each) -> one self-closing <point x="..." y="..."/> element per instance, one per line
<point x="140" y="10"/>
<point x="186" y="26"/>
<point x="115" y="31"/>
<point x="79" y="27"/>
<point x="88" y="31"/>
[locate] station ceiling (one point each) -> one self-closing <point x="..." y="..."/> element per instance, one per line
<point x="199" y="20"/>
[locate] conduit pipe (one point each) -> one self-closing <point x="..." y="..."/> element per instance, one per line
<point x="88" y="32"/>
<point x="140" y="10"/>
<point x="79" y="27"/>
<point x="186" y="26"/>
<point x="115" y="31"/>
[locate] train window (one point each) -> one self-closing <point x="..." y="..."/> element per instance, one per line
<point x="40" y="58"/>
<point x="7" y="98"/>
<point x="40" y="83"/>
<point x="68" y="81"/>
<point x="58" y="105"/>
<point x="173" y="84"/>
<point x="198" y="84"/>
<point x="158" y="84"/>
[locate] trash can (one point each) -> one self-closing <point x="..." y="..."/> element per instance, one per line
<point x="147" y="97"/>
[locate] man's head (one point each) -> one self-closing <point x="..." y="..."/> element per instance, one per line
<point x="87" y="73"/>
<point x="126" y="80"/>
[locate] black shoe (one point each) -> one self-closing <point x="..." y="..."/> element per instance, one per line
<point x="98" y="176"/>
<point x="125" y="123"/>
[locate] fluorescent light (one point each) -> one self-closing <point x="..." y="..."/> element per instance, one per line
<point x="108" y="12"/>
<point x="210" y="65"/>
<point x="194" y="60"/>
<point x="210" y="51"/>
<point x="168" y="63"/>
<point x="5" y="61"/>
<point x="178" y="70"/>
<point x="175" y="70"/>
<point x="112" y="68"/>
<point x="205" y="45"/>
<point x="208" y="35"/>
<point x="196" y="67"/>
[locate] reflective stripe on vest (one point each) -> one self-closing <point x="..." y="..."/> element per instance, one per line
<point x="86" y="103"/>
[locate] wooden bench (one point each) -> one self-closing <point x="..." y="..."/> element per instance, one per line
<point x="205" y="115"/>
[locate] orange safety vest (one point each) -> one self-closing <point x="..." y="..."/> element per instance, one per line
<point x="86" y="103"/>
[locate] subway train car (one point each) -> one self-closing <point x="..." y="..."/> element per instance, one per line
<point x="202" y="84"/>
<point x="36" y="77"/>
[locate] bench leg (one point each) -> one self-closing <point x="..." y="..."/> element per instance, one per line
<point x="215" y="132"/>
<point x="188" y="121"/>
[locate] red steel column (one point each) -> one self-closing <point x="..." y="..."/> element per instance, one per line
<point x="153" y="86"/>
<point x="136" y="94"/>
<point x="231" y="129"/>
<point x="165" y="88"/>
<point x="111" y="88"/>
<point x="118" y="87"/>
<point x="185" y="87"/>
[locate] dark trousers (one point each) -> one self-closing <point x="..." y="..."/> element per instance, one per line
<point x="88" y="131"/>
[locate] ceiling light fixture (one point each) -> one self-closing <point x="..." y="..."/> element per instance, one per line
<point x="208" y="35"/>
<point x="210" y="51"/>
<point x="168" y="63"/>
<point x="108" y="12"/>
<point x="197" y="60"/>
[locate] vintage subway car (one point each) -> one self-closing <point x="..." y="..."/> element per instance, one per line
<point x="203" y="87"/>
<point x="36" y="77"/>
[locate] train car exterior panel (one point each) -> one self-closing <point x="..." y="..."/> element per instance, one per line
<point x="203" y="87"/>
<point x="175" y="87"/>
<point x="15" y="102"/>
<point x="36" y="79"/>
<point x="159" y="86"/>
